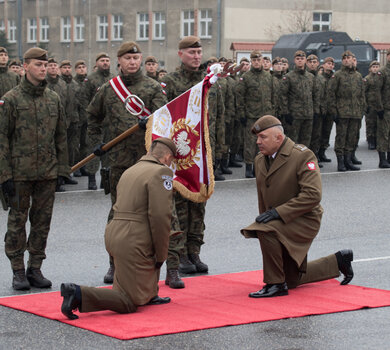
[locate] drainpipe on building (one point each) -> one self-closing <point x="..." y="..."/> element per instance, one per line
<point x="219" y="5"/>
<point x="20" y="30"/>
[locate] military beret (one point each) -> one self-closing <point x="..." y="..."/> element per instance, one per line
<point x="3" y="49"/>
<point x="266" y="58"/>
<point x="14" y="63"/>
<point x="346" y="54"/>
<point x="222" y="59"/>
<point x="52" y="60"/>
<point x="244" y="59"/>
<point x="374" y="63"/>
<point x="65" y="63"/>
<point x="167" y="142"/>
<point x="36" y="53"/>
<point x="189" y="41"/>
<point x="256" y="54"/>
<point x="276" y="60"/>
<point x="264" y="123"/>
<point x="212" y="59"/>
<point x="329" y="59"/>
<point x="151" y="59"/>
<point x="101" y="55"/>
<point x="128" y="47"/>
<point x="312" y="58"/>
<point x="299" y="53"/>
<point x="79" y="62"/>
<point x="284" y="60"/>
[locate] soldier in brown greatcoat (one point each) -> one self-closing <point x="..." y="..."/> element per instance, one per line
<point x="137" y="238"/>
<point x="289" y="195"/>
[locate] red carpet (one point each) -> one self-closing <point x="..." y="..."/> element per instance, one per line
<point x="209" y="302"/>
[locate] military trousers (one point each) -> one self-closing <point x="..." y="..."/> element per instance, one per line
<point x="83" y="143"/>
<point x="237" y="138"/>
<point x="316" y="134"/>
<point x="327" y="125"/>
<point x="73" y="143"/>
<point x="383" y="133"/>
<point x="228" y="140"/>
<point x="279" y="267"/>
<point x="300" y="131"/>
<point x="347" y="131"/>
<point x="250" y="147"/>
<point x="41" y="195"/>
<point x="371" y="123"/>
<point x="176" y="240"/>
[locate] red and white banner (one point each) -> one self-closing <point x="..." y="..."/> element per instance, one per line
<point x="185" y="120"/>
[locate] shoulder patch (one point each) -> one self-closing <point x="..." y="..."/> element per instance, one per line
<point x="164" y="92"/>
<point x="300" y="147"/>
<point x="311" y="165"/>
<point x="86" y="79"/>
<point x="1" y="102"/>
<point x="168" y="183"/>
<point x="379" y="73"/>
<point x="284" y="78"/>
<point x="332" y="76"/>
<point x="163" y="84"/>
<point x="241" y="79"/>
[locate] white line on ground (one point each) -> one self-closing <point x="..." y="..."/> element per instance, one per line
<point x="372" y="259"/>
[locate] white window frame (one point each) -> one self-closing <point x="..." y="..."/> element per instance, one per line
<point x="31" y="30"/>
<point x="206" y="32"/>
<point x="321" y="22"/>
<point x="12" y="31"/>
<point x="116" y="27"/>
<point x="66" y="27"/>
<point x="143" y="26"/>
<point x="78" y="28"/>
<point x="44" y="29"/>
<point x="102" y="28"/>
<point x="159" y="25"/>
<point x="2" y="25"/>
<point x="187" y="23"/>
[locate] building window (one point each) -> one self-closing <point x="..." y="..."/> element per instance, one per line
<point x="78" y="28"/>
<point x="321" y="21"/>
<point x="65" y="29"/>
<point x="117" y="27"/>
<point x="188" y="23"/>
<point x="44" y="29"/>
<point x="102" y="28"/>
<point x="31" y="30"/>
<point x="205" y="24"/>
<point x="2" y="26"/>
<point x="12" y="31"/>
<point x="159" y="26"/>
<point x="143" y="26"/>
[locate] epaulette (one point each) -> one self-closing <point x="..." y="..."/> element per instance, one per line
<point x="300" y="147"/>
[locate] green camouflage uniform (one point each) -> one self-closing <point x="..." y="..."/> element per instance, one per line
<point x="237" y="132"/>
<point x="383" y="126"/>
<point x="8" y="80"/>
<point x="347" y="102"/>
<point x="327" y="117"/>
<point x="33" y="153"/>
<point x="229" y="107"/>
<point x="154" y="77"/>
<point x="300" y="98"/>
<point x="82" y="136"/>
<point x="277" y="81"/>
<point x="59" y="86"/>
<point x="254" y="96"/>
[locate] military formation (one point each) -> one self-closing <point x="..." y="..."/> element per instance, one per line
<point x="75" y="113"/>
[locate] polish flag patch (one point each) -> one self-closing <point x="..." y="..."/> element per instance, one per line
<point x="163" y="84"/>
<point x="1" y="102"/>
<point x="311" y="165"/>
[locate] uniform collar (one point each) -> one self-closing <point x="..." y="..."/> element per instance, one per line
<point x="32" y="89"/>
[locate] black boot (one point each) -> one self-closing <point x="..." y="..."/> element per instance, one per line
<point x="388" y="157"/>
<point x="19" y="280"/>
<point x="354" y="159"/>
<point x="344" y="259"/>
<point x="70" y="181"/>
<point x="371" y="142"/>
<point x="322" y="156"/>
<point x="383" y="163"/>
<point x="186" y="266"/>
<point x="77" y="173"/>
<point x="233" y="163"/>
<point x="173" y="279"/>
<point x="249" y="171"/>
<point x="83" y="172"/>
<point x="217" y="171"/>
<point x="36" y="279"/>
<point x="318" y="161"/>
<point x="72" y="299"/>
<point x="348" y="162"/>
<point x="200" y="265"/>
<point x="109" y="276"/>
<point x="92" y="182"/>
<point x="224" y="167"/>
<point x="340" y="163"/>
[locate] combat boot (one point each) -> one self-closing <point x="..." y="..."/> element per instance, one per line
<point x="217" y="171"/>
<point x="186" y="266"/>
<point x="318" y="161"/>
<point x="322" y="156"/>
<point x="77" y="173"/>
<point x="72" y="299"/>
<point x="173" y="279"/>
<point x="83" y="172"/>
<point x="200" y="265"/>
<point x="19" y="280"/>
<point x="340" y="163"/>
<point x="354" y="159"/>
<point x="70" y="181"/>
<point x="224" y="167"/>
<point x="92" y="182"/>
<point x="36" y="279"/>
<point x="348" y="162"/>
<point x="388" y="157"/>
<point x="109" y="276"/>
<point x="371" y="142"/>
<point x="383" y="163"/>
<point x="233" y="163"/>
<point x="249" y="171"/>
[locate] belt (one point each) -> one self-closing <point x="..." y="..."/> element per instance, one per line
<point x="130" y="215"/>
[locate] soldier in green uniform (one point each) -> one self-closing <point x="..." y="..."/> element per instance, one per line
<point x="33" y="154"/>
<point x="277" y="75"/>
<point x="254" y="96"/>
<point x="14" y="66"/>
<point x="8" y="79"/>
<point x="267" y="64"/>
<point x="285" y="65"/>
<point x="347" y="104"/>
<point x="151" y="67"/>
<point x="107" y="111"/>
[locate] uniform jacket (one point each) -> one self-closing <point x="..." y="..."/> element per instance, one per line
<point x="373" y="84"/>
<point x="8" y="80"/>
<point x="138" y="235"/>
<point x="93" y="82"/>
<point x="73" y="104"/>
<point x="386" y="86"/>
<point x="59" y="86"/>
<point x="292" y="186"/>
<point x="33" y="143"/>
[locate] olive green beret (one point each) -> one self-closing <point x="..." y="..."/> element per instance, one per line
<point x="128" y="47"/>
<point x="276" y="60"/>
<point x="3" y="49"/>
<point x="222" y="59"/>
<point x="300" y="53"/>
<point x="256" y="54"/>
<point x="312" y="58"/>
<point x="36" y="53"/>
<point x="244" y="59"/>
<point x="167" y="142"/>
<point x="264" y="123"/>
<point x="101" y="55"/>
<point x="347" y="53"/>
<point x="79" y="62"/>
<point x="284" y="60"/>
<point x="266" y="58"/>
<point x="151" y="59"/>
<point x="374" y="63"/>
<point x="189" y="41"/>
<point x="65" y="63"/>
<point x="14" y="63"/>
<point x="212" y="59"/>
<point x="52" y="60"/>
<point x="329" y="59"/>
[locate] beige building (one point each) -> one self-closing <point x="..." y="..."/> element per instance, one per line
<point x="74" y="29"/>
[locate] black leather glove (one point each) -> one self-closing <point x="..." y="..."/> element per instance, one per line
<point x="336" y="119"/>
<point x="380" y="114"/>
<point x="142" y="123"/>
<point x="316" y="116"/>
<point x="268" y="216"/>
<point x="60" y="180"/>
<point x="98" y="151"/>
<point x="158" y="264"/>
<point x="243" y="121"/>
<point x="9" y="187"/>
<point x="288" y="118"/>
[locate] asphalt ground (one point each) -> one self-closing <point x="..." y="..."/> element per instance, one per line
<point x="356" y="216"/>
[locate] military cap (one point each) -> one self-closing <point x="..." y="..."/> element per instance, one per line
<point x="3" y="49"/>
<point x="284" y="60"/>
<point x="212" y="59"/>
<point x="266" y="58"/>
<point x="374" y="63"/>
<point x="79" y="62"/>
<point x="329" y="59"/>
<point x="65" y="63"/>
<point x="299" y="53"/>
<point x="101" y="55"/>
<point x="264" y="123"/>
<point x="151" y="59"/>
<point x="256" y="54"/>
<point x="276" y="60"/>
<point x="312" y="57"/>
<point x="189" y="41"/>
<point x="52" y="60"/>
<point x="14" y="63"/>
<point x="244" y="59"/>
<point x="128" y="47"/>
<point x="36" y="53"/>
<point x="222" y="59"/>
<point x="346" y="54"/>
<point x="167" y="142"/>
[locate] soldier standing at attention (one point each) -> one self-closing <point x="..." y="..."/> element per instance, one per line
<point x="254" y="96"/>
<point x="151" y="67"/>
<point x="277" y="75"/>
<point x="108" y="115"/>
<point x="8" y="79"/>
<point x="267" y="64"/>
<point x="346" y="103"/>
<point x="285" y="65"/>
<point x="14" y="66"/>
<point x="33" y="154"/>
